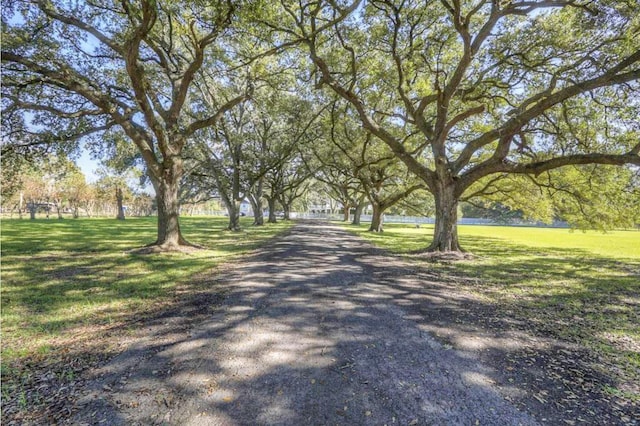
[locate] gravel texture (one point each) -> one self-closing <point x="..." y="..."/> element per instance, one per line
<point x="314" y="330"/>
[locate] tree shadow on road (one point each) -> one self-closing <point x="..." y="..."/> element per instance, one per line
<point x="347" y="340"/>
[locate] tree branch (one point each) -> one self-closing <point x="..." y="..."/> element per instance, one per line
<point x="211" y="120"/>
<point x="514" y="124"/>
<point x="54" y="14"/>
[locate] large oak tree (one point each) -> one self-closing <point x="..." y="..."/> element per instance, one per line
<point x="483" y="89"/>
<point x="81" y="68"/>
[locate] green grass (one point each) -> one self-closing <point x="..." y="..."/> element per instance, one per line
<point x="69" y="279"/>
<point x="583" y="288"/>
<point x="406" y="239"/>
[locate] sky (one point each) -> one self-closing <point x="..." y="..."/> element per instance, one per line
<point x="88" y="166"/>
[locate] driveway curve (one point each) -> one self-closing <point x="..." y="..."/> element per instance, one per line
<point x="313" y="330"/>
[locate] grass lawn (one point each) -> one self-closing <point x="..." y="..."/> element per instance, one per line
<point x="68" y="283"/>
<point x="582" y="288"/>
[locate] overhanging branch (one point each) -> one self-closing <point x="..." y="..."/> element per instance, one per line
<point x="542" y="166"/>
<point x="514" y="124"/>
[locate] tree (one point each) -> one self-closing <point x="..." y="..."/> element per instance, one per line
<point x="338" y="176"/>
<point x="482" y="89"/>
<point x="254" y="152"/>
<point x="115" y="186"/>
<point x="13" y="169"/>
<point x="13" y="172"/>
<point x="382" y="178"/>
<point x="45" y="183"/>
<point x="222" y="161"/>
<point x="62" y="177"/>
<point x="141" y="204"/>
<point x="289" y="183"/>
<point x="335" y="163"/>
<point x="21" y="157"/>
<point x="292" y="115"/>
<point x="86" y="68"/>
<point x="586" y="197"/>
<point x="81" y="196"/>
<point x="361" y="203"/>
<point x="33" y="192"/>
<point x="288" y="179"/>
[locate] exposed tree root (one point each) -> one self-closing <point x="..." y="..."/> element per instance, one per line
<point x="442" y="256"/>
<point x="183" y="247"/>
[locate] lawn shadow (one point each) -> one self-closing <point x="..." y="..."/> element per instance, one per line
<point x="571" y="285"/>
<point x="295" y="335"/>
<point x="330" y="341"/>
<point x="68" y="291"/>
<point x="73" y="263"/>
<point x="305" y="335"/>
<point x="574" y="313"/>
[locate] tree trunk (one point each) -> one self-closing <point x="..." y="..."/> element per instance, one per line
<point x="119" y="198"/>
<point x="272" y="210"/>
<point x="89" y="208"/>
<point x="347" y="212"/>
<point x="358" y="212"/>
<point x="256" y="206"/>
<point x="233" y="211"/>
<point x="169" y="234"/>
<point x="32" y="210"/>
<point x="445" y="235"/>
<point x="58" y="211"/>
<point x="255" y="198"/>
<point x="377" y="219"/>
<point x="236" y="199"/>
<point x="234" y="216"/>
<point x="286" y="208"/>
<point x="332" y="206"/>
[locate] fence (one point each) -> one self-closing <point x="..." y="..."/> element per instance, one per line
<point x="413" y="220"/>
<point x="419" y="220"/>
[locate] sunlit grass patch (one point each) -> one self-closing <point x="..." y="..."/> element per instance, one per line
<point x="62" y="277"/>
<point x="489" y="239"/>
<point x="583" y="288"/>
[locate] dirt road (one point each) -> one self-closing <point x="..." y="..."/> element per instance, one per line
<point x="315" y="330"/>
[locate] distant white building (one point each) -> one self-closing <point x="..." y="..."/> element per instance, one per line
<point x="245" y="208"/>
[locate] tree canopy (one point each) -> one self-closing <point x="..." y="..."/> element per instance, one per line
<point x="465" y="96"/>
<point x="89" y="67"/>
<point x="482" y="89"/>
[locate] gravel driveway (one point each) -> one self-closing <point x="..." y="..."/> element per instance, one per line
<point x="314" y="330"/>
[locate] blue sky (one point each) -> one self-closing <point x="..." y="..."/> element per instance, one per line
<point x="88" y="166"/>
